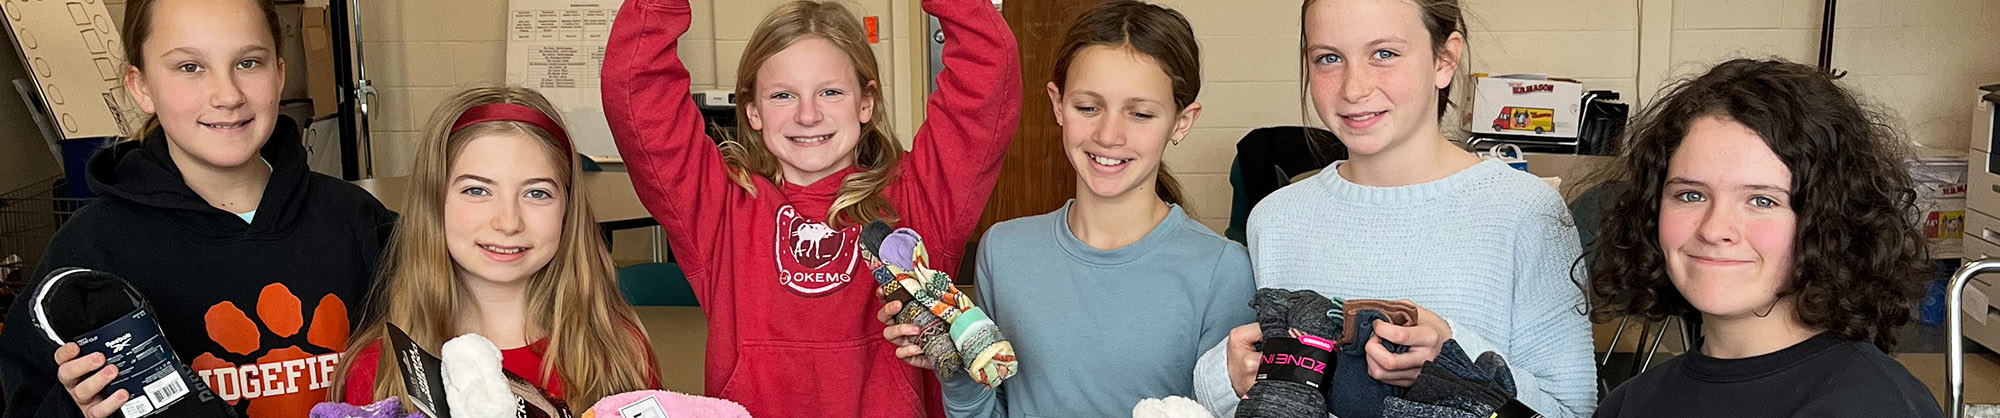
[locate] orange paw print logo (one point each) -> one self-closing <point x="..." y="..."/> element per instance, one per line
<point x="274" y="360"/>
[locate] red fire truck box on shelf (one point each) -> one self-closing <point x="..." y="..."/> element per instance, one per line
<point x="1525" y="104"/>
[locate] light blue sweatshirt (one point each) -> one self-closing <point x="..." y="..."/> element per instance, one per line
<point x="1099" y="330"/>
<point x="1489" y="248"/>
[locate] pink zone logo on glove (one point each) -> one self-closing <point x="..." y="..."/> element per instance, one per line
<point x="1307" y="363"/>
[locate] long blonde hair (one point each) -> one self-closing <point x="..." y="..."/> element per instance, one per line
<point x="860" y="199"/>
<point x="595" y="340"/>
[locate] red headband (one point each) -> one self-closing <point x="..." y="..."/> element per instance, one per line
<point x="509" y="112"/>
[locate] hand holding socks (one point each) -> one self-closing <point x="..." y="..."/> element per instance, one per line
<point x="1296" y="353"/>
<point x="1453" y="387"/>
<point x="103" y="314"/>
<point x="1353" y="393"/>
<point x="956" y="334"/>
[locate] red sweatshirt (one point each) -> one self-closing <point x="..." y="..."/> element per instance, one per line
<point x="790" y="306"/>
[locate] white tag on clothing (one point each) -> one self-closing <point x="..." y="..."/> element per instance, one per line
<point x="644" y="408"/>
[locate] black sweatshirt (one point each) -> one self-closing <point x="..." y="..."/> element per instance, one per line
<point x="1820" y="377"/>
<point x="259" y="310"/>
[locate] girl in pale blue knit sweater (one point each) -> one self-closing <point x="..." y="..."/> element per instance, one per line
<point x="1110" y="299"/>
<point x="1485" y="250"/>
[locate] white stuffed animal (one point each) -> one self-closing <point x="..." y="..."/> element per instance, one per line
<point x="1171" y="407"/>
<point x="474" y="385"/>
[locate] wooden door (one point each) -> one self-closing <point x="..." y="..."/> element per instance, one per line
<point x="1035" y="178"/>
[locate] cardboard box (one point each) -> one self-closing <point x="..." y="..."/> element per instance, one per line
<point x="321" y="86"/>
<point x="1941" y="191"/>
<point x="77" y="65"/>
<point x="1525" y="105"/>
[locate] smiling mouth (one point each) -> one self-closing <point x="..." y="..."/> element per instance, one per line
<point x="1362" y="117"/>
<point x="1107" y="161"/>
<point x="503" y="250"/>
<point x="1708" y="260"/>
<point x="226" y="126"/>
<point x="810" y="139"/>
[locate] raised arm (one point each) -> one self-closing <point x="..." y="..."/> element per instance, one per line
<point x="969" y="120"/>
<point x="675" y="167"/>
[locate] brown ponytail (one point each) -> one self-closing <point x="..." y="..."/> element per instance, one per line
<point x="1169" y="189"/>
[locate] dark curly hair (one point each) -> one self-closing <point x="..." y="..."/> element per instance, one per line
<point x="1860" y="262"/>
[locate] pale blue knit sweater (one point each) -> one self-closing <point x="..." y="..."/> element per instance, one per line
<point x="1489" y="248"/>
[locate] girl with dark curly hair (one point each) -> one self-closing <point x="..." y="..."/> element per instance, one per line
<point x="1766" y="200"/>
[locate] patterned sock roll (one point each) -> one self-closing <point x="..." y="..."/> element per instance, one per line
<point x="956" y="335"/>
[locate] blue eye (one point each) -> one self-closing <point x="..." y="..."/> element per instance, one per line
<point x="476" y="191"/>
<point x="1763" y="202"/>
<point x="248" y="64"/>
<point x="830" y="93"/>
<point x="781" y="96"/>
<point x="1690" y="197"/>
<point x="1328" y="59"/>
<point x="1384" y="54"/>
<point x="540" y="194"/>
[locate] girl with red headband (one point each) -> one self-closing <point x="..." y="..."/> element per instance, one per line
<point x="497" y="239"/>
<point x="766" y="225"/>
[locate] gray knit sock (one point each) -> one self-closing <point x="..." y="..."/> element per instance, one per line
<point x="1279" y="313"/>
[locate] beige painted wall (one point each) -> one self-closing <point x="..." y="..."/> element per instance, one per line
<point x="1919" y="59"/>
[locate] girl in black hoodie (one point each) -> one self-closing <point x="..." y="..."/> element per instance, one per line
<point x="255" y="265"/>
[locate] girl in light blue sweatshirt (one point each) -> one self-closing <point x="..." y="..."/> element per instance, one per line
<point x="1485" y="251"/>
<point x="1110" y="299"/>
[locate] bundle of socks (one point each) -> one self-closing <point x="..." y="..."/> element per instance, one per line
<point x="956" y="335"/>
<point x="386" y="408"/>
<point x="1360" y="395"/>
<point x="1453" y="386"/>
<point x="661" y="404"/>
<point x="1170" y="407"/>
<point x="1294" y="323"/>
<point x="104" y="314"/>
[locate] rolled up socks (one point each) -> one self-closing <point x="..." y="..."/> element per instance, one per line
<point x="972" y="344"/>
<point x="1280" y="314"/>
<point x="979" y="339"/>
<point x="669" y="404"/>
<point x="1353" y="393"/>
<point x="1471" y="388"/>
<point x="102" y="313"/>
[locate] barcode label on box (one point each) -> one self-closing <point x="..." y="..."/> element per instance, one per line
<point x="136" y="407"/>
<point x="166" y="390"/>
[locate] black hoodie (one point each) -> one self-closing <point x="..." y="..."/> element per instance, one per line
<point x="260" y="310"/>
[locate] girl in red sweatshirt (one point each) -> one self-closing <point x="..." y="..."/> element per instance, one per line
<point x="766" y="225"/>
